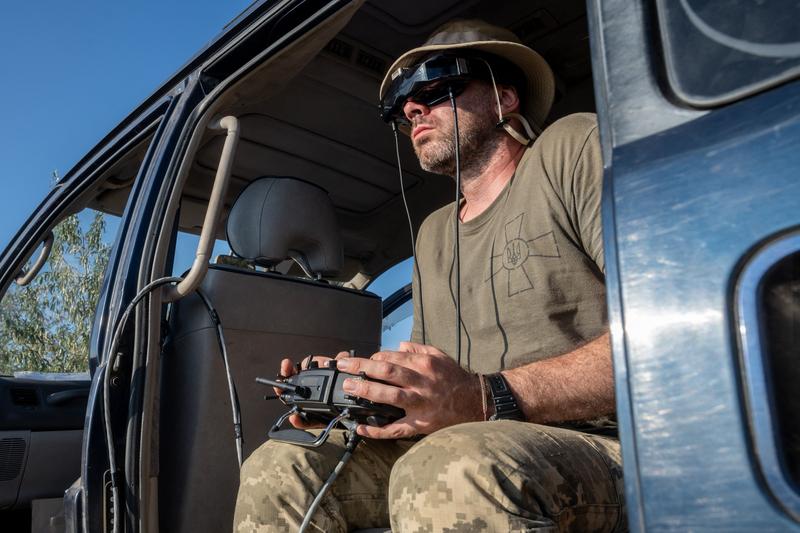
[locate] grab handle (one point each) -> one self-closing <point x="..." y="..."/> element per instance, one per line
<point x="23" y="278"/>
<point x="215" y="205"/>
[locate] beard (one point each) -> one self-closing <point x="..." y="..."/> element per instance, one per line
<point x="477" y="137"/>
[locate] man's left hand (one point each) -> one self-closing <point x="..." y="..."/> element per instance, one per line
<point x="429" y="385"/>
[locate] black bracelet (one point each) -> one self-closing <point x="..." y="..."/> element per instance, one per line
<point x="505" y="405"/>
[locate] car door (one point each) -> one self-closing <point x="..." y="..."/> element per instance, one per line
<point x="699" y="107"/>
<point x="54" y="275"/>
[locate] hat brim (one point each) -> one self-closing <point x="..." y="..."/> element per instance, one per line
<point x="541" y="83"/>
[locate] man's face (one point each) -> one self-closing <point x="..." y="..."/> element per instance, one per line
<point x="432" y="129"/>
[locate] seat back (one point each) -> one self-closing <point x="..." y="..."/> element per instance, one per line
<point x="265" y="317"/>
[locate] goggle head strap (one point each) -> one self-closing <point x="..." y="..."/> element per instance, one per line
<point x="409" y="81"/>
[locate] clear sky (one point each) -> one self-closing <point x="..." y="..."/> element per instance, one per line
<point x="71" y="71"/>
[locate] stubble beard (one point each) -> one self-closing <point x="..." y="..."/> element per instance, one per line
<point x="478" y="138"/>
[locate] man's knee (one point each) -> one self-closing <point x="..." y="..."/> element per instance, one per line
<point x="274" y="485"/>
<point x="439" y="479"/>
<point x="499" y="476"/>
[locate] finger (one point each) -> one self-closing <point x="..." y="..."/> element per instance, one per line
<point x="381" y="393"/>
<point x="408" y="346"/>
<point x="287" y="368"/>
<point x="415" y="361"/>
<point x="399" y="429"/>
<point x="343" y="355"/>
<point x="398" y="358"/>
<point x="321" y="359"/>
<point x="415" y="347"/>
<point x="388" y="372"/>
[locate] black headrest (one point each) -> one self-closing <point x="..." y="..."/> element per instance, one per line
<point x="278" y="217"/>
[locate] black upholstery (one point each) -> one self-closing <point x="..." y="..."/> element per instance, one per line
<point x="275" y="216"/>
<point x="265" y="317"/>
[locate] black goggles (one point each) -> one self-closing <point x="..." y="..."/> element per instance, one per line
<point x="429" y="83"/>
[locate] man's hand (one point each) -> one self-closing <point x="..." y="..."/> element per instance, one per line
<point x="288" y="369"/>
<point x="430" y="386"/>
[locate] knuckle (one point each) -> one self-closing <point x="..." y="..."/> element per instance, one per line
<point x="425" y="364"/>
<point x="390" y="371"/>
<point x="362" y="388"/>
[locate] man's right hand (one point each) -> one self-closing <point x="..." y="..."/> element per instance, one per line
<point x="289" y="369"/>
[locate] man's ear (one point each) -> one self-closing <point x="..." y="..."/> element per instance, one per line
<point x="509" y="99"/>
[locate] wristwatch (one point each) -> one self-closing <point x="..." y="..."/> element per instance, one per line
<point x="505" y="405"/>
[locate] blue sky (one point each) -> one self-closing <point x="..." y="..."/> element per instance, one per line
<point x="72" y="70"/>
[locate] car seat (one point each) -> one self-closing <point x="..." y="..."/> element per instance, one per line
<point x="265" y="316"/>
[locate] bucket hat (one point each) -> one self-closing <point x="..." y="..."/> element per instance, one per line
<point x="482" y="36"/>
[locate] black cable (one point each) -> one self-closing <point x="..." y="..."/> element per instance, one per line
<point x="403" y="192"/>
<point x="352" y="441"/>
<point x="234" y="396"/>
<point x="456" y="221"/>
<point x="108" y="365"/>
<point x="410" y="229"/>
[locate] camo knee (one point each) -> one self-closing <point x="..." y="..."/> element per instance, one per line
<point x="503" y="476"/>
<point x="277" y="484"/>
<point x="279" y="481"/>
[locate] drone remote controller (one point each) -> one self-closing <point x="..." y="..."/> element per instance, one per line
<point x="316" y="394"/>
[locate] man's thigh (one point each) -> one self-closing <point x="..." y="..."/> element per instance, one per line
<point x="279" y="481"/>
<point x="508" y="476"/>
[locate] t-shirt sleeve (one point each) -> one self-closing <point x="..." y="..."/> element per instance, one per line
<point x="572" y="160"/>
<point x="587" y="189"/>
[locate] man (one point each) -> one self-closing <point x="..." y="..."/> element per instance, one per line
<point x="533" y="319"/>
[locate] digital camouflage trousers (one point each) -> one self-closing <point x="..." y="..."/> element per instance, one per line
<point x="482" y="476"/>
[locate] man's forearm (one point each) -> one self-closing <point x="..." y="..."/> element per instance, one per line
<point x="578" y="385"/>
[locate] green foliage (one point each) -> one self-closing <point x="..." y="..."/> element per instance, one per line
<point x="45" y="326"/>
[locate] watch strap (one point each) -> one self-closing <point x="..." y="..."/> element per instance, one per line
<point x="505" y="404"/>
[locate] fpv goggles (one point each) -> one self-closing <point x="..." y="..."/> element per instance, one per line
<point x="429" y="83"/>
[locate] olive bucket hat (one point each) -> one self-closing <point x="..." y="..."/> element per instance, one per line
<point x="484" y="37"/>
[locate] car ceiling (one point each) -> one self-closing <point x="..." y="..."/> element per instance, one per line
<point x="323" y="126"/>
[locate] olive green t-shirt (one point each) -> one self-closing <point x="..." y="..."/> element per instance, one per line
<point x="532" y="283"/>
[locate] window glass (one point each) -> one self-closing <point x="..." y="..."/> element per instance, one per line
<point x="392" y="280"/>
<point x="399" y="319"/>
<point x="397" y="325"/>
<point x="45" y="326"/>
<point x="716" y="52"/>
<point x="186" y="249"/>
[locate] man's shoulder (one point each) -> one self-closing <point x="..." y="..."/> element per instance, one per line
<point x="437" y="219"/>
<point x="574" y="125"/>
<point x="564" y="140"/>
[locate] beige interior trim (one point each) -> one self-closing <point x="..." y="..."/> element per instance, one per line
<point x="215" y="205"/>
<point x="26" y="277"/>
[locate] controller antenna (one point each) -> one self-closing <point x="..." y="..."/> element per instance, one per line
<point x="303" y="392"/>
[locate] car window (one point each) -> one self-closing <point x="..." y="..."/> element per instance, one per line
<point x="717" y="52"/>
<point x="45" y="325"/>
<point x="394" y="287"/>
<point x="186" y="249"/>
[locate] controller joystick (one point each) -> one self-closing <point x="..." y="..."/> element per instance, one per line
<point x="316" y="393"/>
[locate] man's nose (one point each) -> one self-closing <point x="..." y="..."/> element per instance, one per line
<point x="412" y="109"/>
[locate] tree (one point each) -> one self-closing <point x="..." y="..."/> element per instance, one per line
<point x="45" y="326"/>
